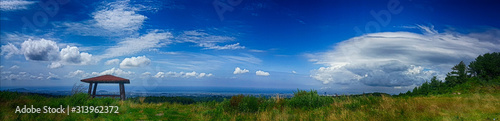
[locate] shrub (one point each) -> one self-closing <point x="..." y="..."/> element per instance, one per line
<point x="308" y="100"/>
<point x="243" y="103"/>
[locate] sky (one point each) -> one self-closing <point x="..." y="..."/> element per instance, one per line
<point x="340" y="46"/>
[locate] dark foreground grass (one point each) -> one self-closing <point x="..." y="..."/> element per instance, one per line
<point x="304" y="106"/>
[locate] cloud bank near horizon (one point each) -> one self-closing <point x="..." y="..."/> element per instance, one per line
<point x="392" y="59"/>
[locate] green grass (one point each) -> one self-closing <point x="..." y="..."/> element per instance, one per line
<point x="303" y="106"/>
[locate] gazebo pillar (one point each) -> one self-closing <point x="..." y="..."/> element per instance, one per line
<point x="122" y="91"/>
<point x="90" y="88"/>
<point x="95" y="87"/>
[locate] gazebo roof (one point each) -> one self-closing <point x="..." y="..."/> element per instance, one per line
<point x="106" y="79"/>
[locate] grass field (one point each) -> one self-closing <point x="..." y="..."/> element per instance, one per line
<point x="473" y="106"/>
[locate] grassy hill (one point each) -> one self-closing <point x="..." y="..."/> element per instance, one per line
<point x="304" y="106"/>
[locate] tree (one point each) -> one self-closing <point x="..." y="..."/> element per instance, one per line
<point x="458" y="75"/>
<point x="435" y="85"/>
<point x="486" y="66"/>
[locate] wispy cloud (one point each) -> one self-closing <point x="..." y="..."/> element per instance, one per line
<point x="208" y="41"/>
<point x="181" y="74"/>
<point x="119" y="18"/>
<point x="133" y="45"/>
<point x="13" y="5"/>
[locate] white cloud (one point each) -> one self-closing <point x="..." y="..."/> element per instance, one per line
<point x="138" y="61"/>
<point x="112" y="71"/>
<point x="294" y="72"/>
<point x="257" y="51"/>
<point x="40" y="50"/>
<point x="145" y="74"/>
<point x="237" y="70"/>
<point x="397" y="58"/>
<point x="48" y="50"/>
<point x="78" y="73"/>
<point x="9" y="50"/>
<point x="72" y="55"/>
<point x="115" y="71"/>
<point x="247" y="58"/>
<point x="112" y="62"/>
<point x="261" y="73"/>
<point x="12" y="5"/>
<point x="54" y="65"/>
<point x="208" y="41"/>
<point x="182" y="74"/>
<point x="119" y="16"/>
<point x="14" y="67"/>
<point x="53" y="76"/>
<point x="225" y="47"/>
<point x="20" y="76"/>
<point x="159" y="75"/>
<point x="26" y="76"/>
<point x="133" y="45"/>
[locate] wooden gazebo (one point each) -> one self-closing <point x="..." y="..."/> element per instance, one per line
<point x="106" y="79"/>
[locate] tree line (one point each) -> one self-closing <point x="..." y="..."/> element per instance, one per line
<point x="484" y="71"/>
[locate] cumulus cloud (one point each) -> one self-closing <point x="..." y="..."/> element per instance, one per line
<point x="138" y="61"/>
<point x="72" y="55"/>
<point x="115" y="71"/>
<point x="145" y="74"/>
<point x="237" y="70"/>
<point x="12" y="5"/>
<point x="77" y="73"/>
<point x="159" y="75"/>
<point x="53" y="76"/>
<point x="9" y="50"/>
<point x="112" y="71"/>
<point x="48" y="50"/>
<point x="397" y="58"/>
<point x="133" y="45"/>
<point x="261" y="73"/>
<point x="20" y="76"/>
<point x="54" y="65"/>
<point x="112" y="62"/>
<point x="40" y="50"/>
<point x="182" y="74"/>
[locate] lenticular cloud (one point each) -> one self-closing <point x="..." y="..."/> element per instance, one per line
<point x="397" y="58"/>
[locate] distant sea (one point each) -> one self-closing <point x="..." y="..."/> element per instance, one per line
<point x="134" y="91"/>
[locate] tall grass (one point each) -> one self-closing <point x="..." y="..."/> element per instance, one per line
<point x="470" y="106"/>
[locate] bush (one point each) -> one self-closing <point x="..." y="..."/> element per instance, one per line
<point x="308" y="100"/>
<point x="243" y="103"/>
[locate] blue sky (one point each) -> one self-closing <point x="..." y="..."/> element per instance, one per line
<point x="336" y="46"/>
